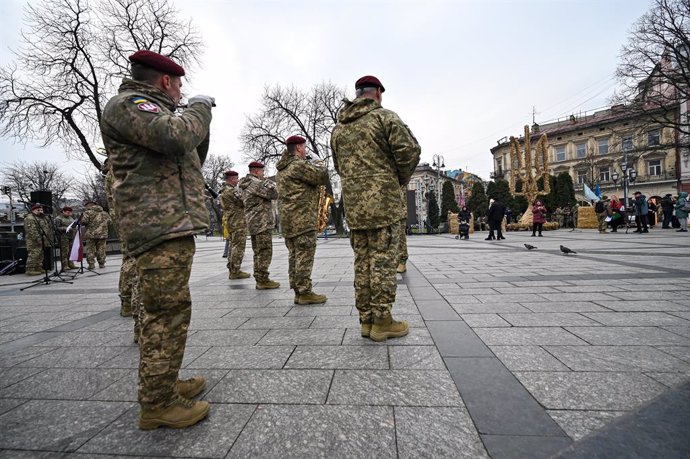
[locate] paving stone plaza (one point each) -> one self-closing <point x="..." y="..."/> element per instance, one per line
<point x="512" y="353"/>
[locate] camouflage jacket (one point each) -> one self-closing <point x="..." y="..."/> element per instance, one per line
<point x="298" y="186"/>
<point x="62" y="222"/>
<point x="233" y="208"/>
<point x="375" y="154"/>
<point x="95" y="222"/>
<point x="37" y="228"/>
<point x="156" y="158"/>
<point x="258" y="195"/>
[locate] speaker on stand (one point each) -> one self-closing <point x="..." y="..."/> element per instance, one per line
<point x="45" y="198"/>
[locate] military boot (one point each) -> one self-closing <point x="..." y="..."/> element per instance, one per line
<point x="365" y="329"/>
<point x="72" y="265"/>
<point x="178" y="414"/>
<point x="67" y="266"/>
<point x="190" y="388"/>
<point x="384" y="328"/>
<point x="267" y="284"/>
<point x="239" y="275"/>
<point x="311" y="298"/>
<point x="125" y="310"/>
<point x="402" y="267"/>
<point x="91" y="267"/>
<point x="34" y="273"/>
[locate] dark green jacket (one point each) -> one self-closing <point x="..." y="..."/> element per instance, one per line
<point x="156" y="158"/>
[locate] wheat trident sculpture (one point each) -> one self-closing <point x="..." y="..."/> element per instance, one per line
<point x="529" y="169"/>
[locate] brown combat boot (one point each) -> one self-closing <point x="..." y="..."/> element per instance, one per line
<point x="72" y="265"/>
<point x="34" y="273"/>
<point x="67" y="266"/>
<point x="190" y="388"/>
<point x="178" y="414"/>
<point x="125" y="311"/>
<point x="268" y="284"/>
<point x="239" y="275"/>
<point x="365" y="329"/>
<point x="311" y="298"/>
<point x="402" y="267"/>
<point x="383" y="329"/>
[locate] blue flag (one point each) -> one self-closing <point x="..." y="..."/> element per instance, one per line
<point x="597" y="190"/>
<point x="589" y="194"/>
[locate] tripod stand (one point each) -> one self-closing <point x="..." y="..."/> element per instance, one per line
<point x="48" y="254"/>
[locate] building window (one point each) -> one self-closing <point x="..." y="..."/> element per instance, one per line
<point x="653" y="137"/>
<point x="627" y="142"/>
<point x="654" y="167"/>
<point x="560" y="153"/>
<point x="605" y="175"/>
<point x="581" y="177"/>
<point x="581" y="150"/>
<point x="603" y="146"/>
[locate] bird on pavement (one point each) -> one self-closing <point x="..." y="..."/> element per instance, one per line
<point x="566" y="250"/>
<point x="530" y="247"/>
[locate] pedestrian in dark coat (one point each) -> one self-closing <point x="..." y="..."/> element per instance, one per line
<point x="667" y="208"/>
<point x="495" y="216"/>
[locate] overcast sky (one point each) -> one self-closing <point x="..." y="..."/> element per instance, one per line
<point x="461" y="74"/>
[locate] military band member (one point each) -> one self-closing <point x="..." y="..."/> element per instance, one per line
<point x="375" y="154"/>
<point x="62" y="222"/>
<point x="95" y="222"/>
<point x="258" y="194"/>
<point x="299" y="184"/>
<point x="233" y="214"/>
<point x="158" y="193"/>
<point x="38" y="235"/>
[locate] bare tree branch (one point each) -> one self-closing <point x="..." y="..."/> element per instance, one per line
<point x="37" y="176"/>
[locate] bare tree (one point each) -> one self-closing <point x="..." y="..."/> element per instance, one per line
<point x="92" y="188"/>
<point x="213" y="169"/>
<point x="37" y="176"/>
<point x="654" y="64"/>
<point x="71" y="56"/>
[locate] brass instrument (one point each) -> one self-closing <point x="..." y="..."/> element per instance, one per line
<point x="325" y="201"/>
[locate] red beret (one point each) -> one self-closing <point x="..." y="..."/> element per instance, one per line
<point x="295" y="140"/>
<point x="156" y="62"/>
<point x="256" y="165"/>
<point x="67" y="209"/>
<point x="36" y="206"/>
<point x="369" y="82"/>
<point x="231" y="173"/>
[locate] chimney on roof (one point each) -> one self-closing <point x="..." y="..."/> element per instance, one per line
<point x="572" y="119"/>
<point x="535" y="128"/>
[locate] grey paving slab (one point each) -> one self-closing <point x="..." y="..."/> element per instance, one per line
<point x="632" y="336"/>
<point x="339" y="357"/>
<point x="74" y="357"/>
<point x="266" y="323"/>
<point x="225" y="337"/>
<point x="527" y="336"/>
<point x="524" y="297"/>
<point x="6" y="337"/>
<point x="590" y="390"/>
<point x="681" y="352"/>
<point x="249" y="357"/>
<point x="484" y="320"/>
<point x="647" y="319"/>
<point x="10" y="359"/>
<point x="416" y="337"/>
<point x="496" y="401"/>
<point x="564" y="306"/>
<point x="578" y="423"/>
<point x="81" y="338"/>
<point x="9" y="376"/>
<point x="63" y="384"/>
<point x="528" y="358"/>
<point x="436" y="310"/>
<point x="223" y="323"/>
<point x="642" y="305"/>
<point x="56" y="425"/>
<point x="301" y="337"/>
<point x="299" y="431"/>
<point x="457" y="339"/>
<point x="258" y="312"/>
<point x="680" y="330"/>
<point x="617" y="358"/>
<point x="272" y="386"/>
<point x="212" y="437"/>
<point x="548" y="319"/>
<point x="415" y="358"/>
<point x="436" y="433"/>
<point x="313" y="311"/>
<point x="130" y="358"/>
<point x="393" y="387"/>
<point x="520" y="447"/>
<point x="7" y="404"/>
<point x="488" y="308"/>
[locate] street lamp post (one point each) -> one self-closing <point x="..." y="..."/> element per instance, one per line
<point x="628" y="177"/>
<point x="426" y="197"/>
<point x="438" y="164"/>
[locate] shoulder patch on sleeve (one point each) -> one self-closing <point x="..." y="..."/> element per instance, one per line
<point x="145" y="105"/>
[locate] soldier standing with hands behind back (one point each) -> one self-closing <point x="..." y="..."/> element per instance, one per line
<point x="158" y="192"/>
<point x="39" y="236"/>
<point x="298" y="186"/>
<point x="375" y="154"/>
<point x="233" y="214"/>
<point x="95" y="221"/>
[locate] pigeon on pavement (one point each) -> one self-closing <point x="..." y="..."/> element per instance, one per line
<point x="566" y="250"/>
<point x="530" y="247"/>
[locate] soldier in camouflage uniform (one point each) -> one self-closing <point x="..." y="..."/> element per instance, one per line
<point x="299" y="184"/>
<point x="402" y="235"/>
<point x="38" y="235"/>
<point x="375" y="154"/>
<point x="62" y="222"/>
<point x="95" y="221"/>
<point x="158" y="194"/>
<point x="258" y="193"/>
<point x="233" y="214"/>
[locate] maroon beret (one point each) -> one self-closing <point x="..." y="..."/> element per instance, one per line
<point x="231" y="173"/>
<point x="67" y="209"/>
<point x="156" y="62"/>
<point x="369" y="82"/>
<point x="36" y="206"/>
<point x="256" y="165"/>
<point x="295" y="140"/>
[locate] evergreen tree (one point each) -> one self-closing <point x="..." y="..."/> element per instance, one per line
<point x="549" y="200"/>
<point x="565" y="191"/>
<point x="501" y="192"/>
<point x="433" y="210"/>
<point x="519" y="205"/>
<point x="478" y="203"/>
<point x="448" y="202"/>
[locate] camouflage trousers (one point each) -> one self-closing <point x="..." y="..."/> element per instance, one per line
<point x="238" y="242"/>
<point x="402" y="243"/>
<point x="166" y="309"/>
<point x="601" y="221"/>
<point x="301" y="250"/>
<point x="262" y="245"/>
<point x="376" y="255"/>
<point x="65" y="246"/>
<point x="35" y="257"/>
<point x="95" y="250"/>
<point x="128" y="272"/>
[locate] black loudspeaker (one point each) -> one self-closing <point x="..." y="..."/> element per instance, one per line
<point x="21" y="254"/>
<point x="8" y="246"/>
<point x="45" y="198"/>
